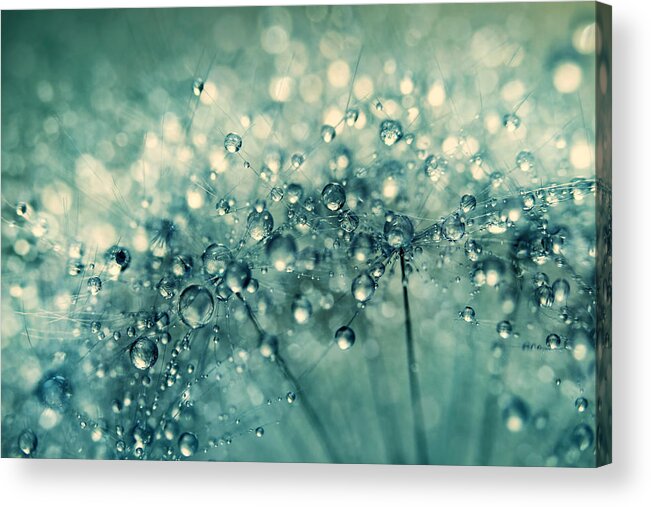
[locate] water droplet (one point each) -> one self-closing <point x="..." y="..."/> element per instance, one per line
<point x="268" y="345"/>
<point x="277" y="194"/>
<point x="55" y="392"/>
<point x="166" y="287"/>
<point x="516" y="415"/>
<point x="328" y="133"/>
<point x="143" y="353"/>
<point x="237" y="276"/>
<point x="544" y="296"/>
<point x="349" y="221"/>
<point x="197" y="86"/>
<point x="23" y="210"/>
<point x="232" y="143"/>
<point x="259" y="432"/>
<point x="188" y="444"/>
<point x="453" y="228"/>
<point x="94" y="285"/>
<point x="196" y="306"/>
<point x="582" y="437"/>
<point x="294" y="193"/>
<point x="433" y="168"/>
<point x="468" y="203"/>
<point x="511" y="122"/>
<point x="581" y="404"/>
<point x="398" y="231"/>
<point x="181" y="266"/>
<point x="345" y="337"/>
<point x="390" y="132"/>
<point x="468" y="314"/>
<point x="301" y="309"/>
<point x="215" y="259"/>
<point x="525" y="161"/>
<point x="553" y="341"/>
<point x="472" y="250"/>
<point x="333" y="196"/>
<point x="117" y="260"/>
<point x="561" y="290"/>
<point x="223" y="207"/>
<point x="260" y="224"/>
<point x="281" y="251"/>
<point x="297" y="160"/>
<point x="504" y="329"/>
<point x="363" y="288"/>
<point x="291" y="397"/>
<point x="351" y="117"/>
<point x="27" y="442"/>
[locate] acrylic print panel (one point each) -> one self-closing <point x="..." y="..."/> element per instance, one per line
<point x="369" y="234"/>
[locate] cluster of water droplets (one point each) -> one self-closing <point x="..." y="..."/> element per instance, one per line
<point x="235" y="279"/>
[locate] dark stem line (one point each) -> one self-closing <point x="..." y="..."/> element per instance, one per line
<point x="309" y="410"/>
<point x="414" y="384"/>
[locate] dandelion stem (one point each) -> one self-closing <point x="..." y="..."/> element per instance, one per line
<point x="310" y="412"/>
<point x="414" y="384"/>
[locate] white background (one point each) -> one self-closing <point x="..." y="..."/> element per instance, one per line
<point x="626" y="482"/>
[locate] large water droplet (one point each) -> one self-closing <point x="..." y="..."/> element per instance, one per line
<point x="232" y="143"/>
<point x="398" y="231"/>
<point x="188" y="444"/>
<point x="260" y="224"/>
<point x="363" y="288"/>
<point x="196" y="306"/>
<point x="237" y="276"/>
<point x="301" y="309"/>
<point x="143" y="353"/>
<point x="27" y="442"/>
<point x="333" y="196"/>
<point x="281" y="251"/>
<point x="390" y="132"/>
<point x="345" y="337"/>
<point x="55" y="392"/>
<point x="215" y="259"/>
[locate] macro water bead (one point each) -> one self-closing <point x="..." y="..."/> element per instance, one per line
<point x="215" y="258"/>
<point x="453" y="228"/>
<point x="328" y="133"/>
<point x="268" y="346"/>
<point x="398" y="231"/>
<point x="363" y="288"/>
<point x="260" y="224"/>
<point x="143" y="353"/>
<point x="468" y="203"/>
<point x="55" y="392"/>
<point x="197" y="86"/>
<point x="525" y="161"/>
<point x="390" y="132"/>
<point x="196" y="306"/>
<point x="117" y="259"/>
<point x="232" y="143"/>
<point x="333" y="196"/>
<point x="28" y="442"/>
<point x="345" y="337"/>
<point x="94" y="285"/>
<point x="281" y="251"/>
<point x="301" y="309"/>
<point x="188" y="444"/>
<point x="516" y="415"/>
<point x="237" y="276"/>
<point x="553" y="341"/>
